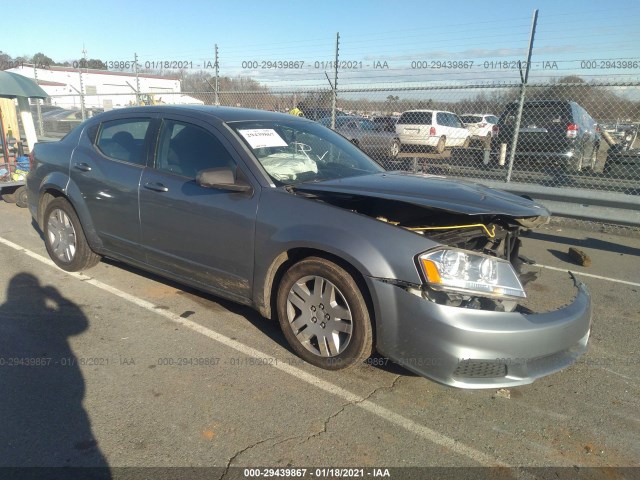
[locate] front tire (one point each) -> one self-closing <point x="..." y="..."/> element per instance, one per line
<point x="64" y="238"/>
<point x="323" y="315"/>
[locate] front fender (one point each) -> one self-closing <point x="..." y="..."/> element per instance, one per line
<point x="376" y="249"/>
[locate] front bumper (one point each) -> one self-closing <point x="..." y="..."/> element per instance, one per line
<point x="478" y="348"/>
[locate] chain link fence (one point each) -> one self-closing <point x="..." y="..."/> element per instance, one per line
<point x="575" y="135"/>
<point x="561" y="135"/>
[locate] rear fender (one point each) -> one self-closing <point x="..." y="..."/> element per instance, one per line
<point x="60" y="184"/>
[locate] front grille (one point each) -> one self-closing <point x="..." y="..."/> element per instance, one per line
<point x="480" y="369"/>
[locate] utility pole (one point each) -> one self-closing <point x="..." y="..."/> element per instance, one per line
<point x="523" y="87"/>
<point x="38" y="109"/>
<point x="216" y="65"/>
<point x="82" y="106"/>
<point x="334" y="99"/>
<point x="135" y="66"/>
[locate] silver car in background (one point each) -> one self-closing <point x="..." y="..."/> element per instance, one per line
<point x="282" y="214"/>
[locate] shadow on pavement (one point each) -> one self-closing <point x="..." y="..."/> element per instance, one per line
<point x="43" y="422"/>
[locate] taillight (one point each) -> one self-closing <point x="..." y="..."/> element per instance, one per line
<point x="31" y="160"/>
<point x="495" y="129"/>
<point x="572" y="130"/>
<point x="432" y="131"/>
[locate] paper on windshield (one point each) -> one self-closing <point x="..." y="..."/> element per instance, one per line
<point x="263" y="137"/>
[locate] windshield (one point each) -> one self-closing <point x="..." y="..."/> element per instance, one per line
<point x="296" y="152"/>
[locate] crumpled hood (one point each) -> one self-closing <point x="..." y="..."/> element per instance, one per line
<point x="430" y="191"/>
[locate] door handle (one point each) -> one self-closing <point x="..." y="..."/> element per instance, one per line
<point x="156" y="187"/>
<point x="83" y="167"/>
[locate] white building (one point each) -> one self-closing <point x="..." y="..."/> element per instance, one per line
<point x="103" y="88"/>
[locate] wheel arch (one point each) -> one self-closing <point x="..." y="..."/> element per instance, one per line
<point x="51" y="190"/>
<point x="280" y="264"/>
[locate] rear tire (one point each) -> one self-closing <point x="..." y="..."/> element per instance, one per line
<point x="64" y="238"/>
<point x="323" y="315"/>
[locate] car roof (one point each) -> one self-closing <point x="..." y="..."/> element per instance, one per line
<point x="222" y="114"/>
<point x="429" y="110"/>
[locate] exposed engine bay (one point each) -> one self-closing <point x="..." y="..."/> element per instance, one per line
<point x="492" y="234"/>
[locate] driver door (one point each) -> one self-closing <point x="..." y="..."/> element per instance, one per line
<point x="203" y="235"/>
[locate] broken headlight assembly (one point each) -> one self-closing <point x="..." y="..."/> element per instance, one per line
<point x="468" y="273"/>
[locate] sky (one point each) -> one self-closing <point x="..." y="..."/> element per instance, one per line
<point x="381" y="42"/>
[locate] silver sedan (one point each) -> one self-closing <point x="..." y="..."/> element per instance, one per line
<point x="285" y="215"/>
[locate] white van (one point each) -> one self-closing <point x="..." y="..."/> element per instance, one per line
<point x="432" y="128"/>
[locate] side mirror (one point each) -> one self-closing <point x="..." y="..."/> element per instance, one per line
<point x="222" y="178"/>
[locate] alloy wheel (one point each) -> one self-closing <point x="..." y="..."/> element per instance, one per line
<point x="319" y="316"/>
<point x="61" y="235"/>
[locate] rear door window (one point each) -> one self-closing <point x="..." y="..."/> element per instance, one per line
<point x="124" y="139"/>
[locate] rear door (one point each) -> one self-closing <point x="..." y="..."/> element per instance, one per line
<point x="106" y="167"/>
<point x="204" y="235"/>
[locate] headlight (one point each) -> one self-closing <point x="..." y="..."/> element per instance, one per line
<point x="461" y="271"/>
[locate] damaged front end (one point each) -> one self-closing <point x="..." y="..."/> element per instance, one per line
<point x="465" y="320"/>
<point x="467" y="271"/>
<point x="469" y="322"/>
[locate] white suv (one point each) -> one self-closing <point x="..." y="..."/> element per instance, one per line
<point x="480" y="124"/>
<point x="432" y="128"/>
